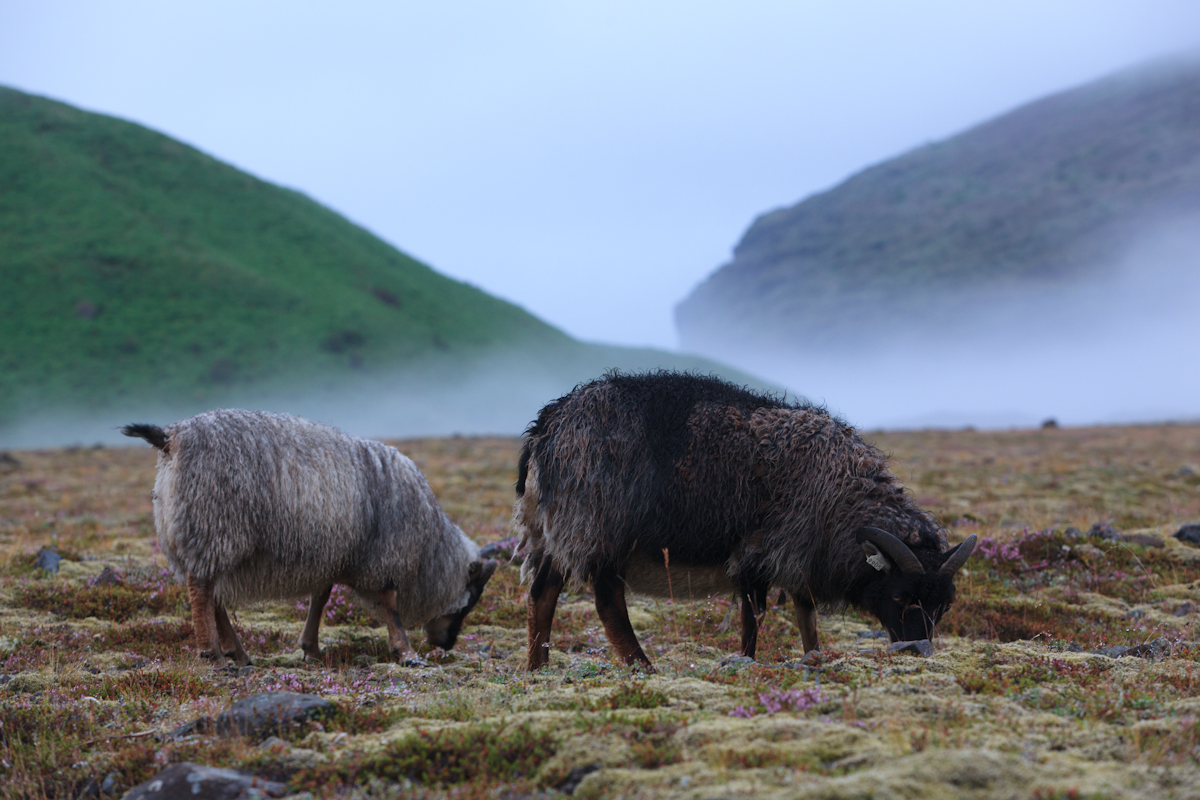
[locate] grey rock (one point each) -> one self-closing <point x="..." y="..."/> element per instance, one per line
<point x="1156" y="650"/>
<point x="1136" y="614"/>
<point x="1189" y="534"/>
<point x="188" y="781"/>
<point x="1074" y="647"/>
<point x="1115" y="651"/>
<point x="9" y="462"/>
<point x="271" y="712"/>
<point x="1104" y="531"/>
<point x="1186" y="471"/>
<point x="1073" y="533"/>
<point x="47" y="560"/>
<point x="1184" y="609"/>
<point x="1142" y="539"/>
<point x="918" y="647"/>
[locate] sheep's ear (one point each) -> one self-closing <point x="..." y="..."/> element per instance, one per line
<point x="875" y="558"/>
<point x="481" y="571"/>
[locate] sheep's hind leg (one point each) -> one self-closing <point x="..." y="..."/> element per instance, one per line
<point x="754" y="607"/>
<point x="204" y="620"/>
<point x="614" y="614"/>
<point x="231" y="646"/>
<point x="806" y="618"/>
<point x="543" y="599"/>
<point x="312" y="623"/>
<point x="397" y="638"/>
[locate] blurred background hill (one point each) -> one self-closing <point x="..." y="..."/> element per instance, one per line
<point x="1045" y="197"/>
<point x="1055" y="246"/>
<point x="142" y="276"/>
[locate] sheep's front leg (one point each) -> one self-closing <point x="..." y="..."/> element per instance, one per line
<point x="312" y="623"/>
<point x="806" y="618"/>
<point x="397" y="638"/>
<point x="204" y="620"/>
<point x="754" y="607"/>
<point x="614" y="614"/>
<point x="231" y="646"/>
<point x="543" y="599"/>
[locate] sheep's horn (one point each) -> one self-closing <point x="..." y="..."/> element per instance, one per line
<point x="958" y="556"/>
<point x="896" y="550"/>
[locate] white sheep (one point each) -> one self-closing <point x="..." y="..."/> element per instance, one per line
<point x="251" y="505"/>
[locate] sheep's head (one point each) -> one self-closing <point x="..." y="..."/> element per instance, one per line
<point x="443" y="631"/>
<point x="911" y="594"/>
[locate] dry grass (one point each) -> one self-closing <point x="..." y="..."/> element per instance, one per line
<point x="1007" y="707"/>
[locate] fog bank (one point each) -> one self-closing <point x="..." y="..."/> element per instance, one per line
<point x="1122" y="348"/>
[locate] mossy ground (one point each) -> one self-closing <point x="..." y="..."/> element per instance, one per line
<point x="1007" y="707"/>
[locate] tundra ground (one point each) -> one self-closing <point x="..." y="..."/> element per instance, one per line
<point x="1014" y="703"/>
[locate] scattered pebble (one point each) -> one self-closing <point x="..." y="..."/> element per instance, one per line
<point x="1115" y="651"/>
<point x="918" y="647"/>
<point x="109" y="577"/>
<point x="1184" y="609"/>
<point x="1189" y="533"/>
<point x="1156" y="650"/>
<point x="1104" y="531"/>
<point x="47" y="560"/>
<point x="267" y="712"/>
<point x="198" y="782"/>
<point x="872" y="634"/>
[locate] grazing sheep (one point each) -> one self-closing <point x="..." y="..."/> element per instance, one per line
<point x="251" y="506"/>
<point x="670" y="483"/>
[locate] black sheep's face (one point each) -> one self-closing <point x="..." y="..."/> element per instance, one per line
<point x="911" y="592"/>
<point x="443" y="631"/>
<point x="910" y="606"/>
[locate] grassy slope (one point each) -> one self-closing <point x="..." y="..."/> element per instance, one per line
<point x="1041" y="194"/>
<point x="133" y="265"/>
<point x="1005" y="708"/>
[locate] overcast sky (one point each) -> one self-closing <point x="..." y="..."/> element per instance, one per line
<point x="591" y="162"/>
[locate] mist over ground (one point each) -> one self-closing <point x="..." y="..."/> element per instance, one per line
<point x="1121" y="348"/>
<point x="497" y="393"/>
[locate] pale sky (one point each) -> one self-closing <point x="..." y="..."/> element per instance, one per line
<point x="591" y="162"/>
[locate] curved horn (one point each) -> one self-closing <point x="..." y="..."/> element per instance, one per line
<point x="958" y="556"/>
<point x="896" y="550"/>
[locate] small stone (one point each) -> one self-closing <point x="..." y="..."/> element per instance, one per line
<point x="1049" y="424"/>
<point x="1186" y="471"/>
<point x="1156" y="650"/>
<point x="1189" y="534"/>
<point x="268" y="712"/>
<point x="1115" y="651"/>
<point x="1104" y="531"/>
<point x="1074" y="647"/>
<point x="1184" y="609"/>
<point x="918" y="647"/>
<point x="8" y="462"/>
<point x="1073" y="533"/>
<point x="197" y="782"/>
<point x="47" y="560"/>
<point x="1136" y="614"/>
<point x="274" y="743"/>
<point x="1088" y="552"/>
<point x="872" y="634"/>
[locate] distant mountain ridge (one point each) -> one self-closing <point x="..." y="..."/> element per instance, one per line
<point x="1041" y="196"/>
<point x="136" y="271"/>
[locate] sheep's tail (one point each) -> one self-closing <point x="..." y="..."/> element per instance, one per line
<point x="151" y="433"/>
<point x="523" y="467"/>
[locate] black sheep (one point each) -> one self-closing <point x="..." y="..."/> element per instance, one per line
<point x="672" y="483"/>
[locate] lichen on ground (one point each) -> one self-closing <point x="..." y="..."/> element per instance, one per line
<point x="1015" y="702"/>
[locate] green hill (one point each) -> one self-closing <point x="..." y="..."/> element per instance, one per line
<point x="1044" y="196"/>
<point x="136" y="271"/>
